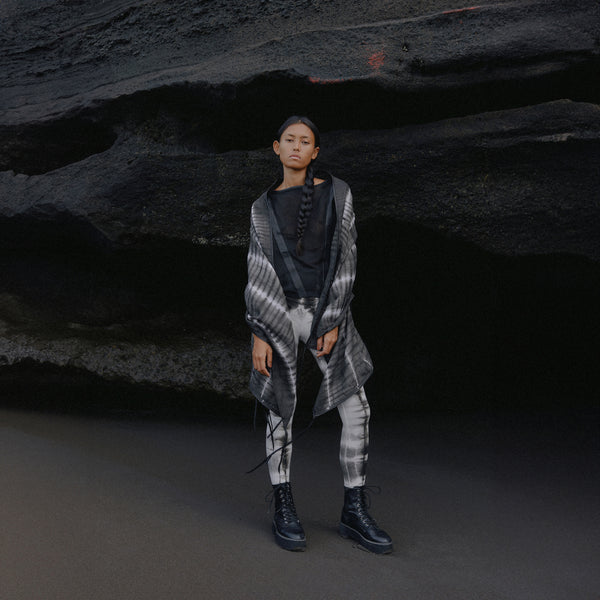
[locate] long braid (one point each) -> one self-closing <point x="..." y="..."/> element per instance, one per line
<point x="305" y="207"/>
<point x="309" y="181"/>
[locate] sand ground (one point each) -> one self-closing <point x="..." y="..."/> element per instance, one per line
<point x="486" y="506"/>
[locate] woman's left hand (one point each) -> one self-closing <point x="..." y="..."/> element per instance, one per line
<point x="326" y="342"/>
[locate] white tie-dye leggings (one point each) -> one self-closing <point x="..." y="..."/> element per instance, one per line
<point x="354" y="413"/>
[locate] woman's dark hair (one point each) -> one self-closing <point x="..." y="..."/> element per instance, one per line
<point x="309" y="182"/>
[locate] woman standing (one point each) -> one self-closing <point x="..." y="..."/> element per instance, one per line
<point x="301" y="270"/>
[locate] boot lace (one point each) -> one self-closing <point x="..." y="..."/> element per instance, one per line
<point x="284" y="503"/>
<point x="364" y="503"/>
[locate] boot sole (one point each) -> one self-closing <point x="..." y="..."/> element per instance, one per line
<point x="375" y="547"/>
<point x="288" y="543"/>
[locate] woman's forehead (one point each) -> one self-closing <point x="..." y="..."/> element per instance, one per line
<point x="299" y="130"/>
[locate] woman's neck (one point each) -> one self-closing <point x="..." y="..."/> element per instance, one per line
<point x="292" y="178"/>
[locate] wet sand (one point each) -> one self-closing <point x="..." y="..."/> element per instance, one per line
<point x="483" y="507"/>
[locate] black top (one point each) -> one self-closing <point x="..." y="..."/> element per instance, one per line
<point x="313" y="264"/>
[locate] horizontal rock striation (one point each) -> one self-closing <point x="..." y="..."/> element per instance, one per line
<point x="134" y="137"/>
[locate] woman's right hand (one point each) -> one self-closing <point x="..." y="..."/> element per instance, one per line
<point x="262" y="356"/>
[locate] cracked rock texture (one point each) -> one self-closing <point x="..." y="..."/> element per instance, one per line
<point x="135" y="136"/>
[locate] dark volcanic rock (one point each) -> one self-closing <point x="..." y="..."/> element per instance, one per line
<point x="136" y="135"/>
<point x="69" y="56"/>
<point x="515" y="182"/>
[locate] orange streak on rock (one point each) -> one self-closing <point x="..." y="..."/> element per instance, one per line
<point x="457" y="10"/>
<point x="376" y="60"/>
<point x="321" y="81"/>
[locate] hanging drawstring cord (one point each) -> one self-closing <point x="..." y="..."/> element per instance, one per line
<point x="280" y="422"/>
<point x="255" y="413"/>
<point x="280" y="449"/>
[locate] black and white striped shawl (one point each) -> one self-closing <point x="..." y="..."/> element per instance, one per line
<point x="349" y="364"/>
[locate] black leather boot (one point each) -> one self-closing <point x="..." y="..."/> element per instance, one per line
<point x="287" y="529"/>
<point x="357" y="523"/>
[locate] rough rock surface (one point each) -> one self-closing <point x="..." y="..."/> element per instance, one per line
<point x="134" y="137"/>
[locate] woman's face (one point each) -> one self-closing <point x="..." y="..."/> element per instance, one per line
<point x="296" y="148"/>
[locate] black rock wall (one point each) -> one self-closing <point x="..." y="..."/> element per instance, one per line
<point x="134" y="138"/>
